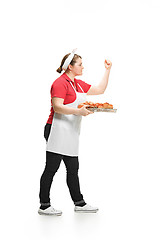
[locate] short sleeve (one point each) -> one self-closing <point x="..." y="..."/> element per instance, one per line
<point x="58" y="89"/>
<point x="85" y="86"/>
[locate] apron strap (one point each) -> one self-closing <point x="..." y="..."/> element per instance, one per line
<point x="78" y="85"/>
<point x="73" y="87"/>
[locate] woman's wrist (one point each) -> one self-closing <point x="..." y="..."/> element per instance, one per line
<point x="77" y="111"/>
<point x="107" y="70"/>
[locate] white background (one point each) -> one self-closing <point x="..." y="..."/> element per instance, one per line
<point x="119" y="155"/>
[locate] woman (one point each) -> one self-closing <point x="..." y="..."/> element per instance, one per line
<point x="63" y="128"/>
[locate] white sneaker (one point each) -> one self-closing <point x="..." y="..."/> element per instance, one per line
<point x="86" y="209"/>
<point x="50" y="211"/>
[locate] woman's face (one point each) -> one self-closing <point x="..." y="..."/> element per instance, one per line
<point x="77" y="68"/>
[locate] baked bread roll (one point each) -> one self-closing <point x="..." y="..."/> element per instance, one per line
<point x="96" y="105"/>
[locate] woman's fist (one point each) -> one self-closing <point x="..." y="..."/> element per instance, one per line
<point x="107" y="64"/>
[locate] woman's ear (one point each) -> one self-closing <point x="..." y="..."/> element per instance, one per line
<point x="70" y="67"/>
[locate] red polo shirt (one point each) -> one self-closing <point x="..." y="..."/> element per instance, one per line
<point x="62" y="88"/>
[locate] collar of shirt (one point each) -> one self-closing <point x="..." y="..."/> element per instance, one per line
<point x="67" y="78"/>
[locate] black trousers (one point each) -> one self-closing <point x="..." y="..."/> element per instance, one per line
<point x="53" y="161"/>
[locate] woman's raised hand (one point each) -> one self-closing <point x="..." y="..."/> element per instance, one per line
<point x="107" y="64"/>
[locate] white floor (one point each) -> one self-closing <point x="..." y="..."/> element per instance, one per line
<point x="115" y="220"/>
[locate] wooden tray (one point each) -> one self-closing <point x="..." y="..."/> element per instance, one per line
<point x="102" y="109"/>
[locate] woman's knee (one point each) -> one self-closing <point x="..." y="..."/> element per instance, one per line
<point x="72" y="166"/>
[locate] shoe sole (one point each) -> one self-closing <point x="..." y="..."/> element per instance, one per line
<point x="86" y="211"/>
<point x="50" y="214"/>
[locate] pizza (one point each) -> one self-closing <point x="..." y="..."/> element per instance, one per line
<point x="105" y="105"/>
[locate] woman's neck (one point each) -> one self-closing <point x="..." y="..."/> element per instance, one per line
<point x="70" y="75"/>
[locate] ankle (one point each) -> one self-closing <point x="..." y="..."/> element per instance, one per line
<point x="45" y="206"/>
<point x="80" y="203"/>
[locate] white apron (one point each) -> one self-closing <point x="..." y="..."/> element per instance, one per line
<point x="65" y="129"/>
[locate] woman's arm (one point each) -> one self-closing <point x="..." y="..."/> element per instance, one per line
<point x="100" y="89"/>
<point x="59" y="107"/>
